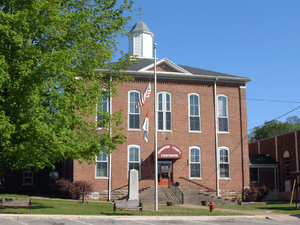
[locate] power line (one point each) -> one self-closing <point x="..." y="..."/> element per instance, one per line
<point x="270" y="100"/>
<point x="275" y="118"/>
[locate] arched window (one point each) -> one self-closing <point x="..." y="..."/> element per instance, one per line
<point x="195" y="162"/>
<point x="134" y="115"/>
<point x="223" y="113"/>
<point x="194" y="112"/>
<point x="134" y="158"/>
<point x="224" y="164"/>
<point x="164" y="111"/>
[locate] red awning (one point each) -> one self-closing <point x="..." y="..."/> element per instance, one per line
<point x="169" y="152"/>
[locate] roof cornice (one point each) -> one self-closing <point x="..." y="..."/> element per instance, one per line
<point x="177" y="75"/>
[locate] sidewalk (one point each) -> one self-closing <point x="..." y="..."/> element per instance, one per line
<point x="257" y="213"/>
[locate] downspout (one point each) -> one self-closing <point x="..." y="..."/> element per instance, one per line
<point x="216" y="138"/>
<point x="275" y="181"/>
<point x="297" y="161"/>
<point x="110" y="132"/>
<point x="242" y="144"/>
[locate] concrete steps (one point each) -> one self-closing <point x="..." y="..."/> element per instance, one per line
<point x="191" y="197"/>
<point x="195" y="197"/>
<point x="165" y="194"/>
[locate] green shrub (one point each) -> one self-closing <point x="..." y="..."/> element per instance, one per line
<point x="169" y="203"/>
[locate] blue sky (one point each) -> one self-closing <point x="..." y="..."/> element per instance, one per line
<point x="258" y="39"/>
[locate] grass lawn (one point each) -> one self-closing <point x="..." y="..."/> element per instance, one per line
<point x="284" y="208"/>
<point x="71" y="207"/>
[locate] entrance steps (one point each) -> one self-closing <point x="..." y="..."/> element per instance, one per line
<point x="165" y="194"/>
<point x="196" y="197"/>
<point x="191" y="197"/>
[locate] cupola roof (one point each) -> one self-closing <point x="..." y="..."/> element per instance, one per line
<point x="139" y="26"/>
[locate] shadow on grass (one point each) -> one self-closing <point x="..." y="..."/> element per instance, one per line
<point x="288" y="208"/>
<point x="296" y="215"/>
<point x="34" y="206"/>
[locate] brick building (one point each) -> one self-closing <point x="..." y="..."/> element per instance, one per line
<point x="202" y="128"/>
<point x="202" y="119"/>
<point x="284" y="151"/>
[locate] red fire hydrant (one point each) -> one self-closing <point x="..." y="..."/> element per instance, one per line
<point x="212" y="206"/>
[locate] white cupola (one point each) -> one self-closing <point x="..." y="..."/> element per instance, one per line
<point x="141" y="41"/>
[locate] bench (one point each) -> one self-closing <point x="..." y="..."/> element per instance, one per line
<point x="16" y="202"/>
<point x="128" y="204"/>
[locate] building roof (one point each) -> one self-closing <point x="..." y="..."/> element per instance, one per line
<point x="261" y="159"/>
<point x="139" y="26"/>
<point x="145" y="67"/>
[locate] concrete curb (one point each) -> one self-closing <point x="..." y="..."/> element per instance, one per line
<point x="81" y="217"/>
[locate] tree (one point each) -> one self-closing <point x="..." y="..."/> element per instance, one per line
<point x="273" y="128"/>
<point x="48" y="86"/>
<point x="293" y="120"/>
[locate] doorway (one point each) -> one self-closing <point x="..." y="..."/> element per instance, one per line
<point x="165" y="173"/>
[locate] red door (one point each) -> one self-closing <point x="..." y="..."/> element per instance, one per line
<point x="165" y="175"/>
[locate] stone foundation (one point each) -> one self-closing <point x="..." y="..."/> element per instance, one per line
<point x="103" y="195"/>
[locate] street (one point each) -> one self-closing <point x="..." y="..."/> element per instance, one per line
<point x="141" y="222"/>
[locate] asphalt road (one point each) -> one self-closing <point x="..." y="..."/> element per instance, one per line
<point x="142" y="222"/>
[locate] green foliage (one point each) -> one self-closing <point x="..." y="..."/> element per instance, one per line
<point x="48" y="86"/>
<point x="274" y="128"/>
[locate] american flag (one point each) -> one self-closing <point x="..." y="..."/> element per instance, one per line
<point x="145" y="95"/>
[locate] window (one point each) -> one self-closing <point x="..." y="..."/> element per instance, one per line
<point x="224" y="163"/>
<point x="53" y="176"/>
<point x="287" y="170"/>
<point x="134" y="158"/>
<point x="102" y="166"/>
<point x="194" y="112"/>
<point x="254" y="175"/>
<point x="223" y="113"/>
<point x="195" y="162"/>
<point x="164" y="111"/>
<point x="102" y="109"/>
<point x="28" y="177"/>
<point x="134" y="113"/>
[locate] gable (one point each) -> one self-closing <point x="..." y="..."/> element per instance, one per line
<point x="165" y="65"/>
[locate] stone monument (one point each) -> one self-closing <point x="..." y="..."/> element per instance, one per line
<point x="133" y="185"/>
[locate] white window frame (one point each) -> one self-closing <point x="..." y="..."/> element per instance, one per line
<point x="102" y="161"/>
<point x="139" y="111"/>
<point x="223" y="117"/>
<point x="27" y="183"/>
<point x="101" y="110"/>
<point x="256" y="181"/>
<point x="189" y="109"/>
<point x="164" y="111"/>
<point x="190" y="161"/>
<point x="224" y="163"/>
<point x="128" y="159"/>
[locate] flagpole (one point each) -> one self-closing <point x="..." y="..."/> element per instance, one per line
<point x="155" y="132"/>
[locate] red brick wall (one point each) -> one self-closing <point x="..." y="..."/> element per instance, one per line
<point x="253" y="148"/>
<point x="285" y="142"/>
<point x="180" y="137"/>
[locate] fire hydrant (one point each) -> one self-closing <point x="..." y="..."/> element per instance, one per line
<point x="212" y="206"/>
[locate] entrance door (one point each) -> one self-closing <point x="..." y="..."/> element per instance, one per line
<point x="165" y="175"/>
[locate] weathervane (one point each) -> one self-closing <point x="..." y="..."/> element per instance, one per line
<point x="140" y="14"/>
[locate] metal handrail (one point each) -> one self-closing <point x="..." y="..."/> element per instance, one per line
<point x="178" y="193"/>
